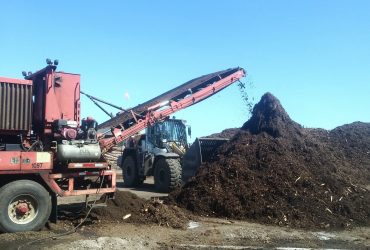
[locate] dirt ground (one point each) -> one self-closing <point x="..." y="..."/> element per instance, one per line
<point x="199" y="233"/>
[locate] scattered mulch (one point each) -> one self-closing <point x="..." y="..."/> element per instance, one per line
<point x="129" y="208"/>
<point x="167" y="215"/>
<point x="124" y="203"/>
<point x="277" y="172"/>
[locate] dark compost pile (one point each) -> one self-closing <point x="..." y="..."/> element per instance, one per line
<point x="129" y="208"/>
<point x="277" y="172"/>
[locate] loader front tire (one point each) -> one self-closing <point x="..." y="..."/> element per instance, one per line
<point x="25" y="206"/>
<point x="167" y="174"/>
<point x="130" y="172"/>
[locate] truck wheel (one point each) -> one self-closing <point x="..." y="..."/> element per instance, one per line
<point x="25" y="206"/>
<point x="130" y="172"/>
<point x="167" y="174"/>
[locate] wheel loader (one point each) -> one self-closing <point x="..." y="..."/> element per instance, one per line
<point x="163" y="152"/>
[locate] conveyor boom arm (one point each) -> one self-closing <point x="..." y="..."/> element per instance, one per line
<point x="160" y="111"/>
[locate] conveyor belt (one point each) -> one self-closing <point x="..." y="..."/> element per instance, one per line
<point x="124" y="119"/>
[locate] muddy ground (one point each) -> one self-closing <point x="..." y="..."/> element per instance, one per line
<point x="199" y="233"/>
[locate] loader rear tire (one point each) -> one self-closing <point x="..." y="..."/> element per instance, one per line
<point x="25" y="206"/>
<point x="167" y="174"/>
<point x="130" y="172"/>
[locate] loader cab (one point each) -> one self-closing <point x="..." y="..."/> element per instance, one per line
<point x="168" y="132"/>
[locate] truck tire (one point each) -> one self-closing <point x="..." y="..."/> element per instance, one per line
<point x="130" y="172"/>
<point x="25" y="205"/>
<point x="167" y="174"/>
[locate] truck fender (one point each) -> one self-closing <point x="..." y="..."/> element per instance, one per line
<point x="167" y="155"/>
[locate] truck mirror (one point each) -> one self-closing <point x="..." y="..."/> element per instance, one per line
<point x="189" y="131"/>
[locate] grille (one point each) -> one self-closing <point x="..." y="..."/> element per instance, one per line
<point x="15" y="105"/>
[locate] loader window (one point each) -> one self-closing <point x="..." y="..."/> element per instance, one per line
<point x="168" y="131"/>
<point x="174" y="131"/>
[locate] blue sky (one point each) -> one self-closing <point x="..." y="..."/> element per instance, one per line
<point x="312" y="55"/>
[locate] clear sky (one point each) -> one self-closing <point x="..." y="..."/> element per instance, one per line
<point x="312" y="55"/>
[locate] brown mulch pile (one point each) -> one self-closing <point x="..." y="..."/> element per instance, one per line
<point x="127" y="207"/>
<point x="277" y="172"/>
<point x="226" y="133"/>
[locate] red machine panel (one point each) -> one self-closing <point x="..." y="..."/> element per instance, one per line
<point x="57" y="96"/>
<point x="10" y="160"/>
<point x="17" y="160"/>
<point x="62" y="97"/>
<point x="36" y="160"/>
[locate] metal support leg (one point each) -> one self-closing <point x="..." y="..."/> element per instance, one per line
<point x="54" y="209"/>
